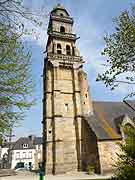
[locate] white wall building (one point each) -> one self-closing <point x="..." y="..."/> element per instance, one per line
<point x="25" y="156"/>
<point x="26" y="151"/>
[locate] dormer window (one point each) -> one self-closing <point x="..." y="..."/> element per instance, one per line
<point x="59" y="50"/>
<point x="68" y="51"/>
<point x="25" y="145"/>
<point x="62" y="29"/>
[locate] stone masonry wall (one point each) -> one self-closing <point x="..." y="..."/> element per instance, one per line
<point x="107" y="154"/>
<point x="63" y="120"/>
<point x="90" y="156"/>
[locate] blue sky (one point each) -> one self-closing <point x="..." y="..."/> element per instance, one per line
<point x="92" y="19"/>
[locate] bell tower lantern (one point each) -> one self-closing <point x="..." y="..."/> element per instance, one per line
<point x="61" y="38"/>
<point x="65" y="101"/>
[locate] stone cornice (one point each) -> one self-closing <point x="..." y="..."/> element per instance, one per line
<point x="64" y="59"/>
<point x="62" y="19"/>
<point x="60" y="35"/>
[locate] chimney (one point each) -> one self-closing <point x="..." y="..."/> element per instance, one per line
<point x="31" y="138"/>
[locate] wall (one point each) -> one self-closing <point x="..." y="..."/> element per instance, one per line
<point x="26" y="159"/>
<point x="90" y="155"/>
<point x="107" y="154"/>
<point x="63" y="121"/>
<point x="38" y="155"/>
<point x="4" y="151"/>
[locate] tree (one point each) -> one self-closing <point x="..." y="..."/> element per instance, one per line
<point x="120" y="52"/>
<point x="15" y="80"/>
<point x="126" y="161"/>
<point x="16" y="83"/>
<point x="13" y="13"/>
<point x="120" y="64"/>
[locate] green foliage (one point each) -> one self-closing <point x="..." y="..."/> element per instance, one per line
<point x="126" y="162"/>
<point x="13" y="13"/>
<point x="16" y="82"/>
<point x="91" y="169"/>
<point x="120" y="52"/>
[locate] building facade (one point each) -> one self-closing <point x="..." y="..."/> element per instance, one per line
<point x="25" y="152"/>
<point x="77" y="131"/>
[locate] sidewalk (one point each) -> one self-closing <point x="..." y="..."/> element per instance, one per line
<point x="76" y="176"/>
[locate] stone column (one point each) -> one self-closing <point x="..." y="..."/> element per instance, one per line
<point x="87" y="106"/>
<point x="54" y="48"/>
<point x="56" y="121"/>
<point x="78" y="119"/>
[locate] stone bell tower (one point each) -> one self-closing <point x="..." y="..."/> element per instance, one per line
<point x="66" y="97"/>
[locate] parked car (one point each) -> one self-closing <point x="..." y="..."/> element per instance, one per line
<point x="21" y="169"/>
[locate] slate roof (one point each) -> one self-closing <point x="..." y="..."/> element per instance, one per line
<point x="107" y="118"/>
<point x="26" y="140"/>
<point x="38" y="140"/>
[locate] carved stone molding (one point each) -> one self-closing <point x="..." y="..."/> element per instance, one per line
<point x="63" y="19"/>
<point x="62" y="36"/>
<point x="64" y="58"/>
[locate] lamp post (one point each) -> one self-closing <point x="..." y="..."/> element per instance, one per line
<point x="41" y="171"/>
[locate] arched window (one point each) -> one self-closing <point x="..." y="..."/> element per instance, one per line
<point x="59" y="50"/>
<point x="62" y="29"/>
<point x="68" y="51"/>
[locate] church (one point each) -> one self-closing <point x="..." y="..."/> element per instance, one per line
<point x="78" y="132"/>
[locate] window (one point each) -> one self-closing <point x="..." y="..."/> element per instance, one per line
<point x="24" y="155"/>
<point x="30" y="154"/>
<point x="25" y="145"/>
<point x="62" y="29"/>
<point x="68" y="52"/>
<point x="50" y="131"/>
<point x="66" y="107"/>
<point x="59" y="51"/>
<point x="61" y="14"/>
<point x="17" y="155"/>
<point x="58" y="46"/>
<point x="39" y="156"/>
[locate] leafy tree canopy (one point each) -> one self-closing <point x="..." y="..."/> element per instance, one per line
<point x="16" y="83"/>
<point x="120" y="52"/>
<point x="126" y="162"/>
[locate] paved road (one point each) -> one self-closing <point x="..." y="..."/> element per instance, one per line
<point x="32" y="176"/>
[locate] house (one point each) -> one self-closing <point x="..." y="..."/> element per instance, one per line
<point x="25" y="152"/>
